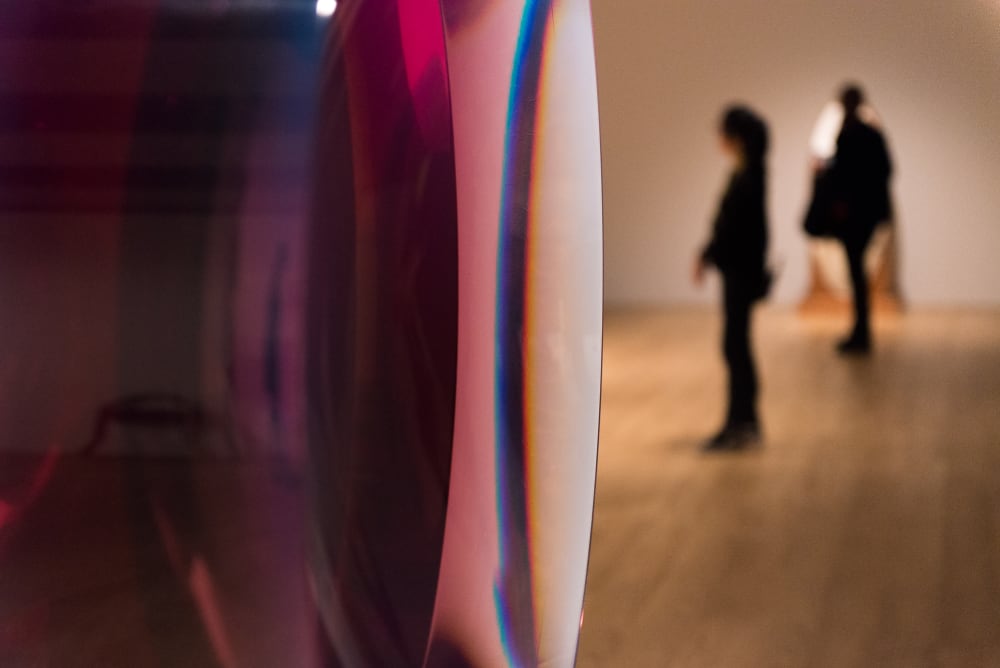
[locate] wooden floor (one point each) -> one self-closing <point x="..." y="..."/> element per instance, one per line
<point x="866" y="533"/>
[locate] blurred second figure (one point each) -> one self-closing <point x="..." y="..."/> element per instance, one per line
<point x="737" y="249"/>
<point x="859" y="178"/>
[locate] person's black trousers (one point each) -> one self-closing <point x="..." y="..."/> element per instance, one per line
<point x="855" y="246"/>
<point x="743" y="385"/>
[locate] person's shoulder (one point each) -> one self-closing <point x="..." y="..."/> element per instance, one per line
<point x="872" y="131"/>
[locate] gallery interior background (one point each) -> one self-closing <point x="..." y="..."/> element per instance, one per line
<point x="665" y="70"/>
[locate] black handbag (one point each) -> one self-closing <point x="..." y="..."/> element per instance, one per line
<point x="819" y="221"/>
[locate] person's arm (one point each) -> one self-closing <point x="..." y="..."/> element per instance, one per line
<point x="719" y="245"/>
<point x="710" y="253"/>
<point x="699" y="270"/>
<point x="885" y="165"/>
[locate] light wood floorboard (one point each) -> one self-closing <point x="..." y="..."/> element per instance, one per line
<point x="866" y="531"/>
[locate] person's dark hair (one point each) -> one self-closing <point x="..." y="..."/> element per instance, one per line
<point x="744" y="125"/>
<point x="851" y="99"/>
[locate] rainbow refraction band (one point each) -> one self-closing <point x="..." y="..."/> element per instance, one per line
<point x="514" y="591"/>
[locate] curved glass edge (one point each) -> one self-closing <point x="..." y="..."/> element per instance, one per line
<point x="530" y="320"/>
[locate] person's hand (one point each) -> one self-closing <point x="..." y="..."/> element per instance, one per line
<point x="698" y="271"/>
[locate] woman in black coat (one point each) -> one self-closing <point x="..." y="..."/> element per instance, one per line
<point x="859" y="181"/>
<point x="737" y="248"/>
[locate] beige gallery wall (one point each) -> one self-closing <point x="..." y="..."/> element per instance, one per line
<point x="666" y="68"/>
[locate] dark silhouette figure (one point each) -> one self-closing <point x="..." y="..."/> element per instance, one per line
<point x="737" y="248"/>
<point x="859" y="184"/>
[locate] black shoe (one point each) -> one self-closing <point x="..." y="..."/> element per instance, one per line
<point x="734" y="437"/>
<point x="855" y="345"/>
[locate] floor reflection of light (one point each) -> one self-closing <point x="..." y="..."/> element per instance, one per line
<point x="326" y="7"/>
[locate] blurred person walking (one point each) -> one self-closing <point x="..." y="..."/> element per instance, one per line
<point x="737" y="249"/>
<point x="856" y="200"/>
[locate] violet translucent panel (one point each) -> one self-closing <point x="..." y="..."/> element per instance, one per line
<point x="301" y="331"/>
<point x="155" y="187"/>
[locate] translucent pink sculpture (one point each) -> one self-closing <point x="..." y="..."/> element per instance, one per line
<point x="303" y="321"/>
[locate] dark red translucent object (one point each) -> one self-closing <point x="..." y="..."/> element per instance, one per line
<point x="300" y="331"/>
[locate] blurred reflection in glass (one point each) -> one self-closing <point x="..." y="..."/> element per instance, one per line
<point x="154" y="193"/>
